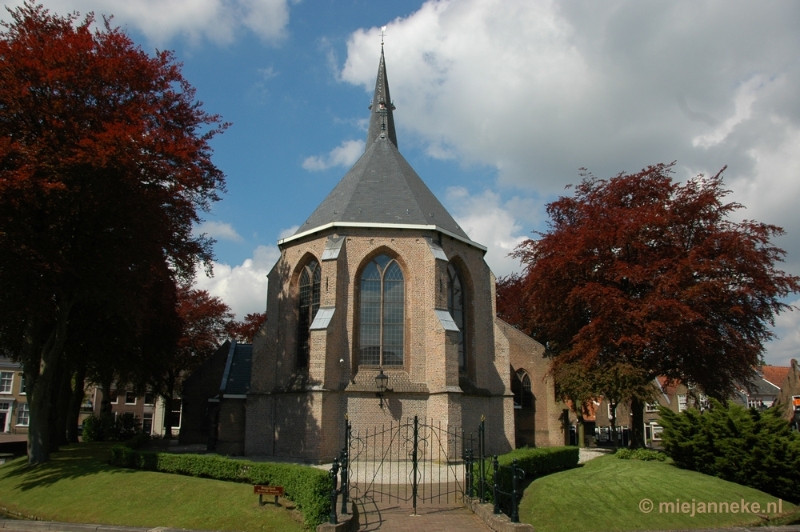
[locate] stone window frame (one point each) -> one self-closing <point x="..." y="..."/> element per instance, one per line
<point x="368" y="260"/>
<point x="23" y="415"/>
<point x="312" y="270"/>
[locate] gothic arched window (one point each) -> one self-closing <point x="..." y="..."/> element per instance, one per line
<point x="455" y="304"/>
<point x="521" y="387"/>
<point x="382" y="304"/>
<point x="309" y="305"/>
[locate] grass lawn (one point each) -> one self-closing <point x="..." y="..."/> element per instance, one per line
<point x="79" y="486"/>
<point x="605" y="495"/>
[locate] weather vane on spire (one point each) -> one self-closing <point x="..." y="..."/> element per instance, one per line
<point x="383" y="33"/>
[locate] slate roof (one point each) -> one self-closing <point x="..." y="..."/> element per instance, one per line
<point x="382" y="189"/>
<point x="236" y="380"/>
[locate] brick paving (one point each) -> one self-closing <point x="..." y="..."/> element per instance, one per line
<point x="429" y="518"/>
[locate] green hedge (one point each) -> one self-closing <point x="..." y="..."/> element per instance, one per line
<point x="534" y="461"/>
<point x="756" y="449"/>
<point x="308" y="487"/>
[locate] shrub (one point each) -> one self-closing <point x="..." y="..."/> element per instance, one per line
<point x="308" y="487"/>
<point x="534" y="461"/>
<point x="756" y="449"/>
<point x="111" y="428"/>
<point x="640" y="454"/>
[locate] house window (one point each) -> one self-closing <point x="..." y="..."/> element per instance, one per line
<point x="681" y="402"/>
<point x="23" y="386"/>
<point x="130" y="398"/>
<point x="149" y="398"/>
<point x="455" y="304"/>
<point x="657" y="430"/>
<point x="23" y="415"/>
<point x="309" y="305"/>
<point x="6" y="378"/>
<point x="382" y="303"/>
<point x="612" y="412"/>
<point x="651" y="407"/>
<point x="147" y="422"/>
<point x="112" y="396"/>
<point x="521" y="388"/>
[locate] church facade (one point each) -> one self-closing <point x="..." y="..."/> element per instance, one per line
<point x="380" y="279"/>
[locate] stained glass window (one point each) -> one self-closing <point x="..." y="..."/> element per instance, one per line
<point x="310" y="280"/>
<point x="382" y="313"/>
<point x="455" y="304"/>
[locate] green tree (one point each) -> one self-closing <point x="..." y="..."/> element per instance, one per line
<point x="105" y="164"/>
<point x="646" y="272"/>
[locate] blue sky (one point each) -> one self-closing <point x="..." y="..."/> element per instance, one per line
<point x="499" y="103"/>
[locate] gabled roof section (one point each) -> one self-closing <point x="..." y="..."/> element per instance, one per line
<point x="382" y="190"/>
<point x="381" y="119"/>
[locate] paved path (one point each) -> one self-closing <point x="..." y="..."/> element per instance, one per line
<point x="429" y="518"/>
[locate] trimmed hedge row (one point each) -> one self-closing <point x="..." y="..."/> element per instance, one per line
<point x="535" y="461"/>
<point x="308" y="487"/>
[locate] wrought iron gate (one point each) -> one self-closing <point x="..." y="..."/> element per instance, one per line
<point x="410" y="461"/>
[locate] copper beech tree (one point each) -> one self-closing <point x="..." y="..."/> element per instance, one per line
<point x="652" y="274"/>
<point x="105" y="164"/>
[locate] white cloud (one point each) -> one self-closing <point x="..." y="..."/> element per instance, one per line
<point x="219" y="230"/>
<point x="488" y="223"/>
<point x="289" y="231"/>
<point x="161" y="21"/>
<point x="242" y="287"/>
<point x="344" y="155"/>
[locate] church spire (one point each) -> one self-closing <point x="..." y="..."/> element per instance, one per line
<point x="381" y="120"/>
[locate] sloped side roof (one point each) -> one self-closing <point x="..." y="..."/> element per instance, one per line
<point x="775" y="374"/>
<point x="238" y="374"/>
<point x="382" y="188"/>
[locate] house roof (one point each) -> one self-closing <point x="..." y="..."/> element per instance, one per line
<point x="382" y="190"/>
<point x="775" y="374"/>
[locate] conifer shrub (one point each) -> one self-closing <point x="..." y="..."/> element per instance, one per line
<point x="308" y="487"/>
<point x="752" y="448"/>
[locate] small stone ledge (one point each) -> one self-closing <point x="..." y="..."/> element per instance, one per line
<point x="497" y="522"/>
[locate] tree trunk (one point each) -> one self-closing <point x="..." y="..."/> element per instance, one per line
<point x="40" y="372"/>
<point x="581" y="433"/>
<point x="169" y="394"/>
<point x="637" y="428"/>
<point x="613" y="421"/>
<point x="75" y="403"/>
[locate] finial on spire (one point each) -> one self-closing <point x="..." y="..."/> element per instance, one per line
<point x="383" y="33"/>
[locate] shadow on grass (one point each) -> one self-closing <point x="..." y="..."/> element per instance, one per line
<point x="73" y="461"/>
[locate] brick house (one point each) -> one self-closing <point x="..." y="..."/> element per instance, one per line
<point x="14" y="413"/>
<point x="381" y="279"/>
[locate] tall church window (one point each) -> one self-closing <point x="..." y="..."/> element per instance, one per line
<point x="309" y="305"/>
<point x="382" y="304"/>
<point x="521" y="388"/>
<point x="455" y="304"/>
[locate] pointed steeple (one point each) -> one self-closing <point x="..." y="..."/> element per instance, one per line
<point x="381" y="120"/>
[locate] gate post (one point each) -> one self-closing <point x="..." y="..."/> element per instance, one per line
<point x="345" y="465"/>
<point x="481" y="455"/>
<point x="414" y="464"/>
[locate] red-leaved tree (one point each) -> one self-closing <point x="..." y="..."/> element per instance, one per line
<point x="205" y="320"/>
<point x="104" y="165"/>
<point x="244" y="331"/>
<point x="646" y="272"/>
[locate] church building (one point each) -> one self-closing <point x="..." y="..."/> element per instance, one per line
<point x="381" y="281"/>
